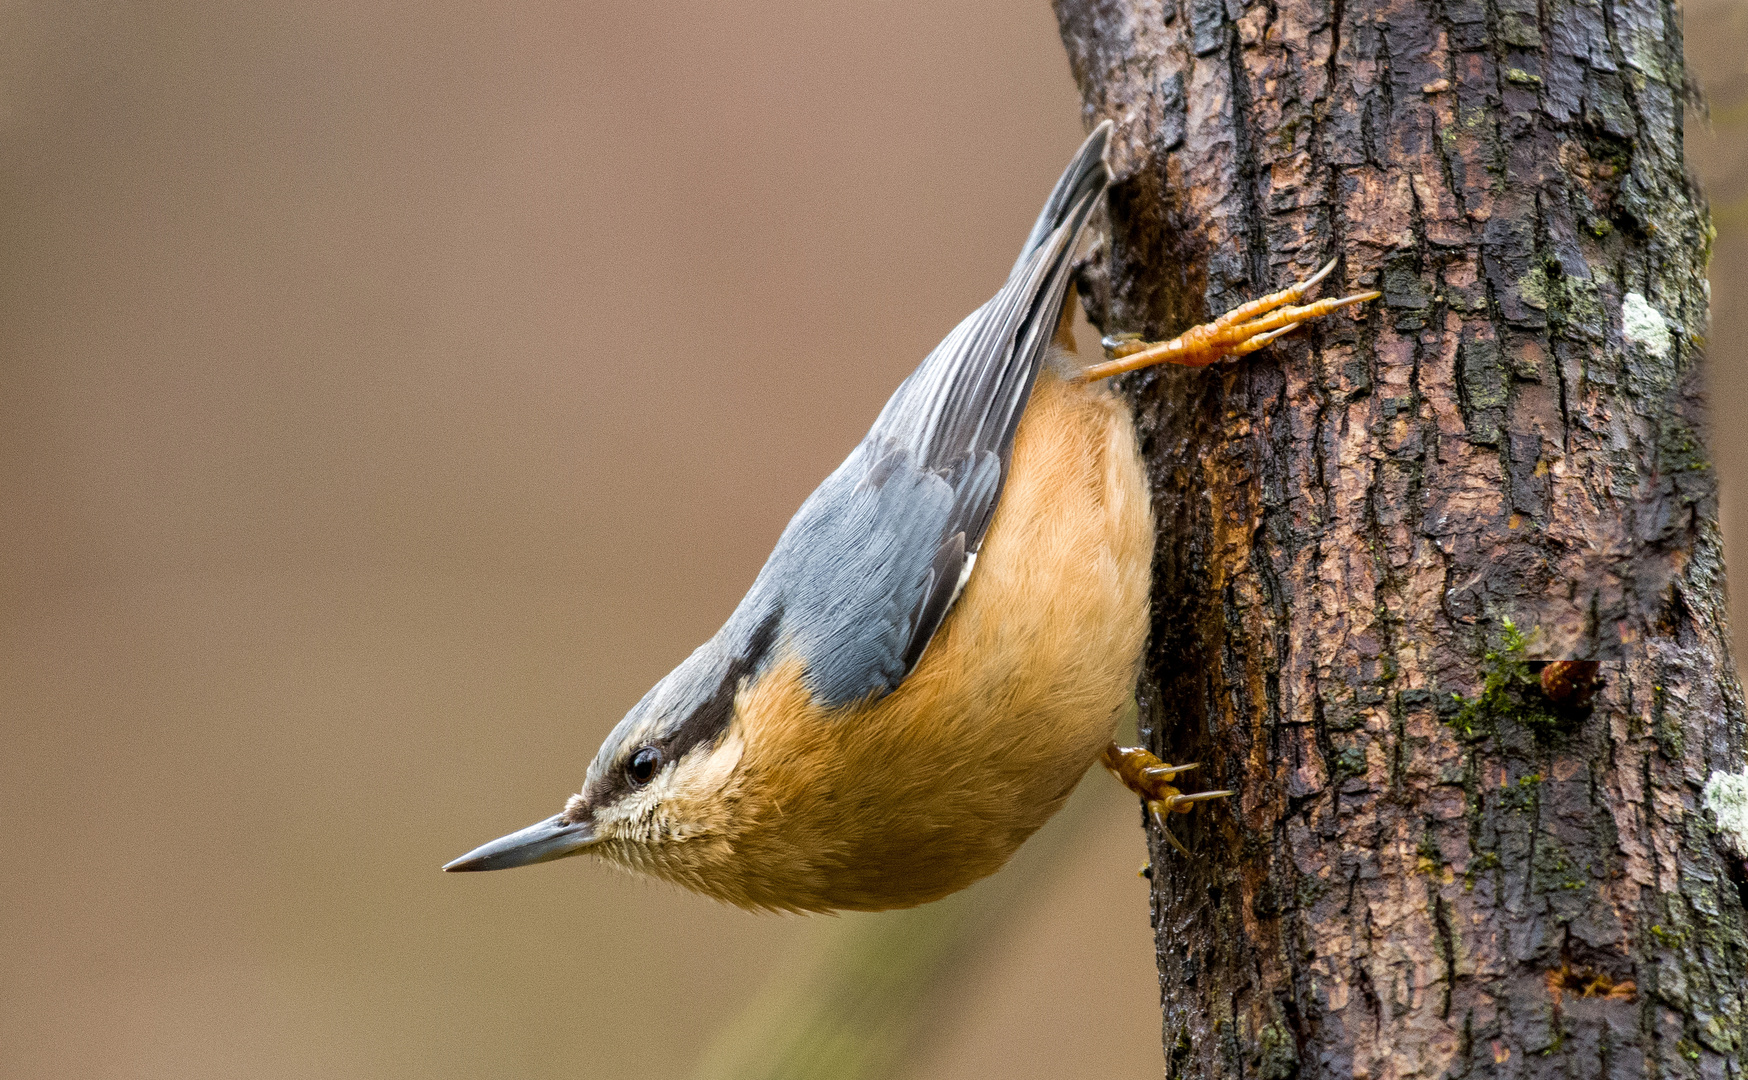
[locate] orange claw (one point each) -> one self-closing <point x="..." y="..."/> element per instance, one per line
<point x="1146" y="775"/>
<point x="1244" y="329"/>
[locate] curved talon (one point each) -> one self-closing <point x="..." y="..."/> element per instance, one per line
<point x="1244" y="329"/>
<point x="1117" y="346"/>
<point x="1260" y="340"/>
<point x="1147" y="776"/>
<point x="1305" y="286"/>
<point x="1183" y="804"/>
<point x="1159" y="823"/>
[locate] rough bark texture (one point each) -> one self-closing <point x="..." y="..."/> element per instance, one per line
<point x="1372" y="533"/>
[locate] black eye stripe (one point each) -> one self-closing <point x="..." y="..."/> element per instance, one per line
<point x="710" y="718"/>
<point x="643" y="765"/>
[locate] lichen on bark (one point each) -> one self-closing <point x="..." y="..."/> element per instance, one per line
<point x="1351" y="519"/>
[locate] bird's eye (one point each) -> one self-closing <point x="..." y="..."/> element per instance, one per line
<point x="643" y="765"/>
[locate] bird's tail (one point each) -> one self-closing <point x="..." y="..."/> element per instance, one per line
<point x="1069" y="203"/>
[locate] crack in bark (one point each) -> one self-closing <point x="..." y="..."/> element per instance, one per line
<point x="1482" y="162"/>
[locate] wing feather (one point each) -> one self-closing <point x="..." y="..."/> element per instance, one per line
<point x="870" y="566"/>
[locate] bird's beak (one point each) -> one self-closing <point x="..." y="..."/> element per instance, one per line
<point x="543" y="841"/>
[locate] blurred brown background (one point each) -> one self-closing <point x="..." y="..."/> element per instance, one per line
<point x="389" y="393"/>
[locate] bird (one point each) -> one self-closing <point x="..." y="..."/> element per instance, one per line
<point x="942" y="642"/>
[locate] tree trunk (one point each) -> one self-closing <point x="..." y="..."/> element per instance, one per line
<point x="1373" y="533"/>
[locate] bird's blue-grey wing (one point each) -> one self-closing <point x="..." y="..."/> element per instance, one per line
<point x="869" y="567"/>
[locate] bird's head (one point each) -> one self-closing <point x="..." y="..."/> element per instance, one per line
<point x="663" y="779"/>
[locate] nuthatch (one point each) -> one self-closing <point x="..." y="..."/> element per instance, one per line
<point x="943" y="640"/>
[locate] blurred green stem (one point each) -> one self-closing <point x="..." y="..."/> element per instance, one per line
<point x="858" y="1000"/>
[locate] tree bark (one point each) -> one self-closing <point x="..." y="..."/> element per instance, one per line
<point x="1373" y="533"/>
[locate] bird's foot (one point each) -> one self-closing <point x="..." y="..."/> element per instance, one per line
<point x="1149" y="777"/>
<point x="1244" y="329"/>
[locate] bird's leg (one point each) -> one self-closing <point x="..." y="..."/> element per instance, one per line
<point x="1244" y="329"/>
<point x="1147" y="777"/>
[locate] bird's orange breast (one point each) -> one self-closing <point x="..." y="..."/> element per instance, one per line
<point x="933" y="786"/>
